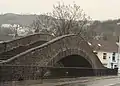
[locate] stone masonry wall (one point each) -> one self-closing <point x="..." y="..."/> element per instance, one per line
<point x="6" y="46"/>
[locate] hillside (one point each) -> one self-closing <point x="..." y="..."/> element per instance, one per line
<point x="109" y="27"/>
<point x="108" y="30"/>
<point x="10" y="18"/>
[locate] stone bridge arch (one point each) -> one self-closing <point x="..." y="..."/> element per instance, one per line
<point x="72" y="52"/>
<point x="51" y="52"/>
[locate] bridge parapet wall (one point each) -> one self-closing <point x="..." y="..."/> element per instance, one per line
<point x="51" y="52"/>
<point x="8" y="45"/>
<point x="17" y="73"/>
<point x="47" y="54"/>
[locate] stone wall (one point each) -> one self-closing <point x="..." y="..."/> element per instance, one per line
<point x="25" y="64"/>
<point x="51" y="52"/>
<point x="8" y="45"/>
<point x="19" y="73"/>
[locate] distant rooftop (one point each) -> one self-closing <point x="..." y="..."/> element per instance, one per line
<point x="106" y="46"/>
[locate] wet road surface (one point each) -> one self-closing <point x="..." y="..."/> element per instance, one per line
<point x="88" y="81"/>
<point x="102" y="82"/>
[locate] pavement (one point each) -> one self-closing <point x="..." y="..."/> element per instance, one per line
<point x="105" y="82"/>
<point x="80" y="81"/>
<point x="118" y="84"/>
<point x="67" y="81"/>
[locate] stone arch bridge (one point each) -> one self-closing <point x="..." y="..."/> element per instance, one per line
<point x="11" y="48"/>
<point x="9" y="45"/>
<point x="68" y="50"/>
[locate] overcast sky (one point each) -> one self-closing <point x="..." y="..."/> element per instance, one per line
<point x="97" y="9"/>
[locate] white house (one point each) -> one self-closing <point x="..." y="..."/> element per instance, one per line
<point x="107" y="52"/>
<point x="6" y="26"/>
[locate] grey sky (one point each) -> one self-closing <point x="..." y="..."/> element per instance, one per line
<point x="97" y="9"/>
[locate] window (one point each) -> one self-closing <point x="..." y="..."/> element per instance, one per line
<point x="104" y="55"/>
<point x="113" y="56"/>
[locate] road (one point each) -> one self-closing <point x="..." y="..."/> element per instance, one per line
<point x="82" y="81"/>
<point x="101" y="82"/>
<point x="93" y="81"/>
<point x="116" y="85"/>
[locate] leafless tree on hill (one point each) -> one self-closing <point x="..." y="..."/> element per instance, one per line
<point x="64" y="19"/>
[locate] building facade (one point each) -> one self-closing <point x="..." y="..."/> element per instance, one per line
<point x="107" y="52"/>
<point x="108" y="59"/>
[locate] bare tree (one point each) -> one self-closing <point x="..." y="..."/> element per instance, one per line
<point x="64" y="19"/>
<point x="71" y="18"/>
<point x="43" y="23"/>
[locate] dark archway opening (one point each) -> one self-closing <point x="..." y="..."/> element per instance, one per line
<point x="73" y="66"/>
<point x="75" y="61"/>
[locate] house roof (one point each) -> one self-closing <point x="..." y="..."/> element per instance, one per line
<point x="106" y="46"/>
